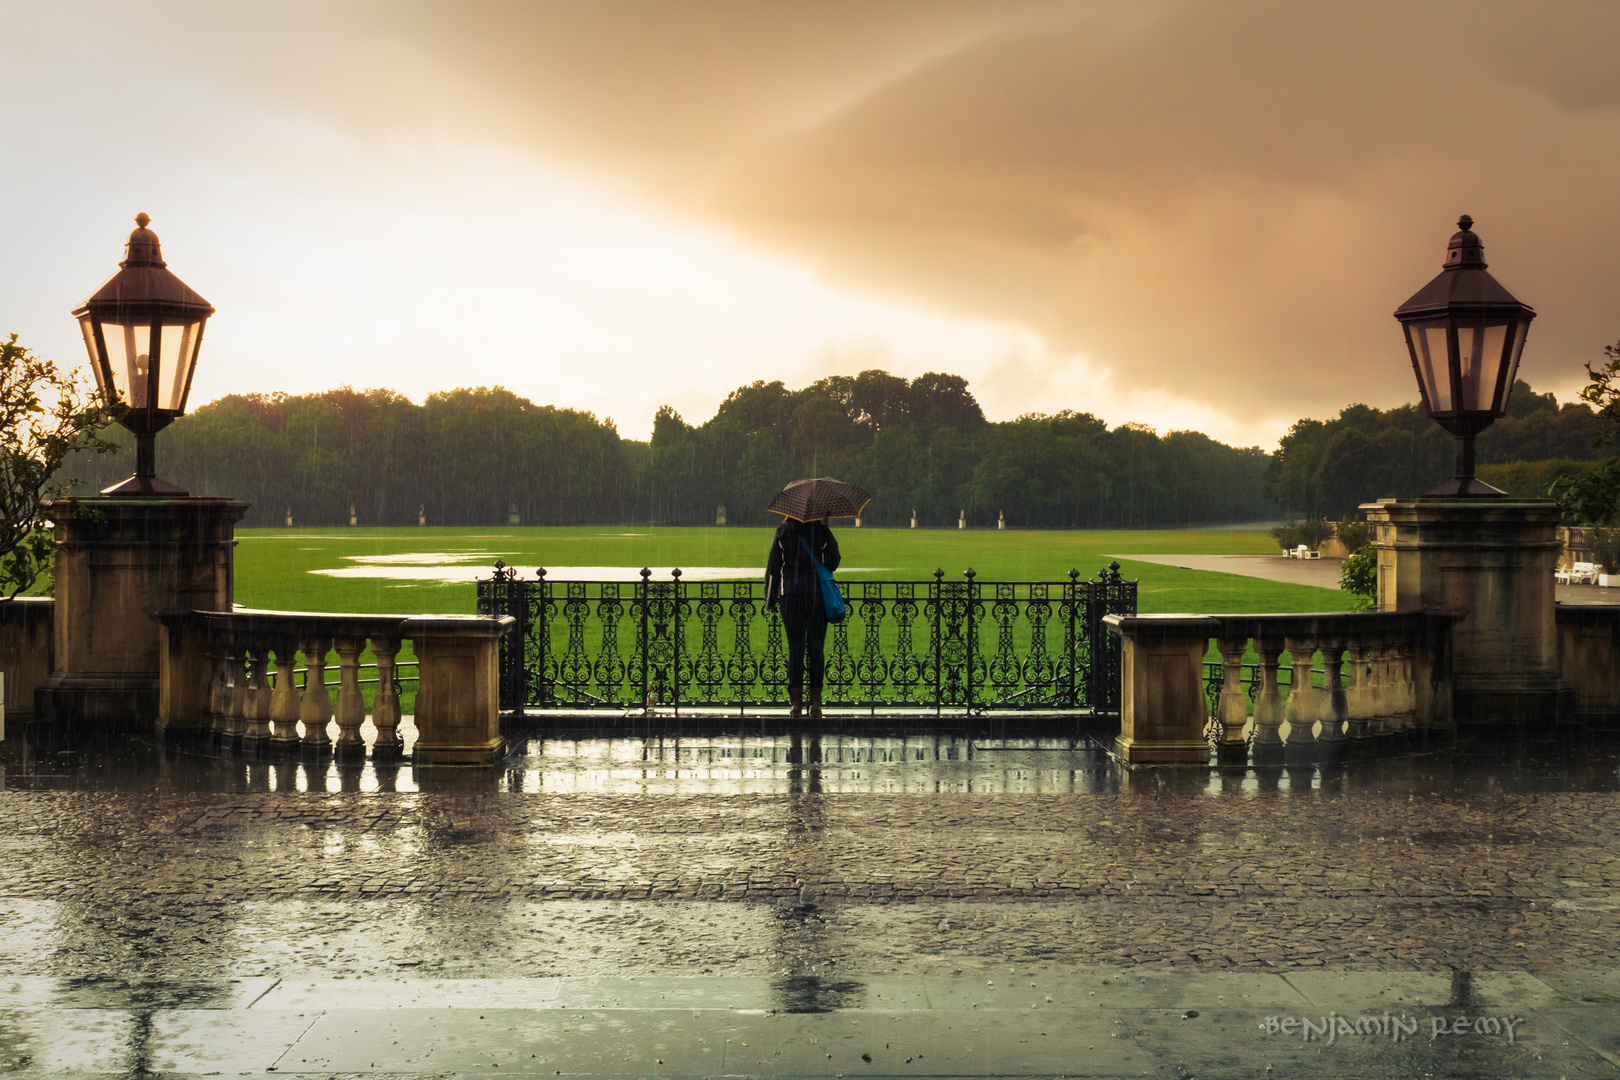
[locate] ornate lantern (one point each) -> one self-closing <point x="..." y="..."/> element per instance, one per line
<point x="1465" y="334"/>
<point x="143" y="330"/>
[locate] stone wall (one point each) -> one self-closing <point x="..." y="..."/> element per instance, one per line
<point x="26" y="657"/>
<point x="1589" y="660"/>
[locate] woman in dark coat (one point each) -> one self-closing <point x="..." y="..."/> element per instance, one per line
<point x="791" y="584"/>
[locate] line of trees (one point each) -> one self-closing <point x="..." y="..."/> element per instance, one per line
<point x="1325" y="469"/>
<point x="475" y="456"/>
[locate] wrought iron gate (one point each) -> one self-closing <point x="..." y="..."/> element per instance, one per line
<point x="969" y="644"/>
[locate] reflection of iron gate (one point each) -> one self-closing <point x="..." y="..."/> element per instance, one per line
<point x="970" y="644"/>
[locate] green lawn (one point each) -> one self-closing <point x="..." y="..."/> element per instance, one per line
<point x="275" y="567"/>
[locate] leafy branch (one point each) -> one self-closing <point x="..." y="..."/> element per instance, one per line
<point x="45" y="415"/>
<point x="1603" y="392"/>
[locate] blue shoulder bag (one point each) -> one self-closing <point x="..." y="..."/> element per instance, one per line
<point x="832" y="597"/>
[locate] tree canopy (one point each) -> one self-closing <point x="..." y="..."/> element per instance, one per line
<point x="1324" y="469"/>
<point x="46" y="415"/>
<point x="474" y="456"/>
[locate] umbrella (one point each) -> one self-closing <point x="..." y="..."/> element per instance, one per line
<point x="821" y="497"/>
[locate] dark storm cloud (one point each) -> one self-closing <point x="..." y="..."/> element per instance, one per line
<point x="1222" y="200"/>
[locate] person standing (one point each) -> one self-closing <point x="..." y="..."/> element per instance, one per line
<point x="792" y="586"/>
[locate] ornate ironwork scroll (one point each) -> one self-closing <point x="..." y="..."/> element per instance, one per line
<point x="961" y="645"/>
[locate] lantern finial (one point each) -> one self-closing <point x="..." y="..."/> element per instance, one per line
<point x="143" y="248"/>
<point x="1466" y="248"/>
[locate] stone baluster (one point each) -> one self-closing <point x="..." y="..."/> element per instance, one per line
<point x="219" y="688"/>
<point x="1304" y="707"/>
<point x="1232" y="711"/>
<point x="1382" y="725"/>
<point x="385" y="710"/>
<point x="284" y="699"/>
<point x="250" y="688"/>
<point x="1268" y="705"/>
<point x="1358" y="695"/>
<point x="256" y="706"/>
<point x="351" y="704"/>
<point x="236" y="708"/>
<point x="315" y="708"/>
<point x="1335" y="702"/>
<point x="1405" y="708"/>
<point x="210" y="673"/>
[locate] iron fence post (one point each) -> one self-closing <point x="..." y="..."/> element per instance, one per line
<point x="677" y="601"/>
<point x="939" y="653"/>
<point x="970" y="612"/>
<point x="544" y="592"/>
<point x="643" y="640"/>
<point x="1072" y="645"/>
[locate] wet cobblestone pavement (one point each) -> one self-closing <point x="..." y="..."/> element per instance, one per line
<point x="755" y="868"/>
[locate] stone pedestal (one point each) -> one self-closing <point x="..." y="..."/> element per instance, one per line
<point x="25" y="651"/>
<point x="1490" y="562"/>
<point x="1589" y="659"/>
<point x="1163" y="711"/>
<point x="119" y="562"/>
<point x="458" y="691"/>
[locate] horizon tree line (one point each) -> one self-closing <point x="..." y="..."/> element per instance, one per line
<point x="484" y="456"/>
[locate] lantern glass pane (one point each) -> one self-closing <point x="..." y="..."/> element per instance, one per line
<point x="87" y="327"/>
<point x="1521" y="328"/>
<point x="178" y="350"/>
<point x="128" y="355"/>
<point x="1434" y="363"/>
<point x="1481" y="352"/>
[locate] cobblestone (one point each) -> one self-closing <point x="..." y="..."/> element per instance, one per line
<point x="350" y="883"/>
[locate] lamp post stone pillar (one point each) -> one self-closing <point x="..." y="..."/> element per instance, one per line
<point x="119" y="563"/>
<point x="1491" y="562"/>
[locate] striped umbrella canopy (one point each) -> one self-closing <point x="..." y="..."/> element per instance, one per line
<point x="817" y="498"/>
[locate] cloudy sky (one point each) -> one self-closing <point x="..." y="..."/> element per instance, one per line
<point x="1188" y="214"/>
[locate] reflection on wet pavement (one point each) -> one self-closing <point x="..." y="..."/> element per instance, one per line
<point x="747" y="898"/>
<point x="825" y="763"/>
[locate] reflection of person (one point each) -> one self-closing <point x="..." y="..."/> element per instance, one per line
<point x="792" y="584"/>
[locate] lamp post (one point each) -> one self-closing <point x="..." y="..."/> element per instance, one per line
<point x="1465" y="334"/>
<point x="143" y="330"/>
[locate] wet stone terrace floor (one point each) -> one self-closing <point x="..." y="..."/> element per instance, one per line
<point x="794" y="867"/>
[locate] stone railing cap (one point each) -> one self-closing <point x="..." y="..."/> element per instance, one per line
<point x="457" y="625"/>
<point x="1163" y="624"/>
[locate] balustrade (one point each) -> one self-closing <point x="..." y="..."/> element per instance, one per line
<point x="1381" y="675"/>
<point x="250" y="690"/>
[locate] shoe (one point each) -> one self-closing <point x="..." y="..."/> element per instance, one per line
<point x="815" y="703"/>
<point x="796" y="699"/>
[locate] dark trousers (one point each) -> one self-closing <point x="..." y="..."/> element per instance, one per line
<point x="805" y="621"/>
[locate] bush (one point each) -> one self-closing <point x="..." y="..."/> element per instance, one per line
<point x="1355" y="535"/>
<point x="1291" y="534"/>
<point x="1591" y="497"/>
<point x="1606" y="549"/>
<point x="1359" y="577"/>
